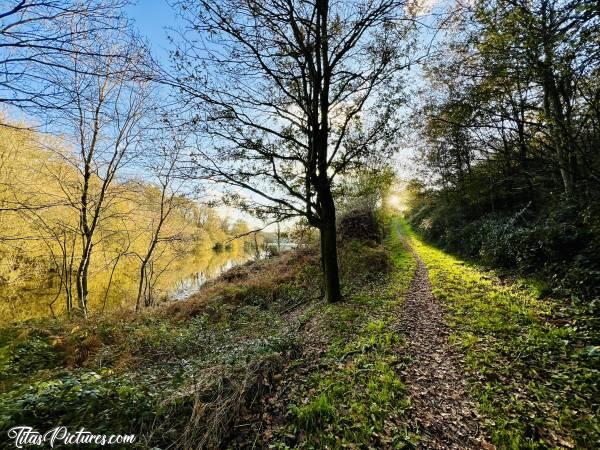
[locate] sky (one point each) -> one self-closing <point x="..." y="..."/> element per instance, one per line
<point x="152" y="19"/>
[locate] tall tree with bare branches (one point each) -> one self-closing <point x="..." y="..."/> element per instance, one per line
<point x="105" y="118"/>
<point x="163" y="159"/>
<point x="290" y="94"/>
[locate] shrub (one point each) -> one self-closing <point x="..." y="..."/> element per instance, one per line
<point x="360" y="261"/>
<point x="359" y="224"/>
<point x="33" y="354"/>
<point x="561" y="246"/>
<point x="102" y="403"/>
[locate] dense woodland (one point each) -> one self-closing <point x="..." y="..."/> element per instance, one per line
<point x="387" y="212"/>
<point x="509" y="134"/>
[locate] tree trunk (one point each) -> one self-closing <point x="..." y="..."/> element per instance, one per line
<point x="329" y="248"/>
<point x="330" y="263"/>
<point x="553" y="108"/>
<point x="256" y="249"/>
<point x="82" y="284"/>
<point x="138" y="302"/>
<point x="148" y="300"/>
<point x="278" y="238"/>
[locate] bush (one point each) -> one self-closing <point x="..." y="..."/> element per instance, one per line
<point x="361" y="262"/>
<point x="561" y="246"/>
<point x="359" y="224"/>
<point x="33" y="354"/>
<point x="273" y="250"/>
<point x="102" y="403"/>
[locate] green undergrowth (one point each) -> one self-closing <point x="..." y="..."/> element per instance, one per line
<point x="355" y="396"/>
<point x="171" y="379"/>
<point x="533" y="362"/>
<point x="182" y="376"/>
<point x="154" y="383"/>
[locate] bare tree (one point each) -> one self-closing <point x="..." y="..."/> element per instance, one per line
<point x="79" y="64"/>
<point x="106" y="119"/>
<point x="60" y="238"/>
<point x="163" y="163"/>
<point x="39" y="38"/>
<point x="291" y="93"/>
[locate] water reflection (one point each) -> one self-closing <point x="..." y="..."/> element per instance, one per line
<point x="191" y="284"/>
<point x="186" y="286"/>
<point x="26" y="300"/>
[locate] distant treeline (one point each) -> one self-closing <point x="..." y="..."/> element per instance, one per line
<point x="42" y="235"/>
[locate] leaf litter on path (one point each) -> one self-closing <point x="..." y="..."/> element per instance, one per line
<point x="441" y="410"/>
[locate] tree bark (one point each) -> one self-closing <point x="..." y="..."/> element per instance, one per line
<point x="138" y="302"/>
<point x="329" y="257"/>
<point x="82" y="283"/>
<point x="553" y="108"/>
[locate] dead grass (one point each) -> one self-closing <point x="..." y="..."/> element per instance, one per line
<point x="220" y="396"/>
<point x="257" y="279"/>
<point x="80" y="349"/>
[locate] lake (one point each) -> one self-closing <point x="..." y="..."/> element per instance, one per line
<point x="30" y="299"/>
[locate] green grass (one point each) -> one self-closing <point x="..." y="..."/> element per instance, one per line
<point x="148" y="383"/>
<point x="360" y="398"/>
<point x="185" y="375"/>
<point x="150" y="375"/>
<point x="531" y="363"/>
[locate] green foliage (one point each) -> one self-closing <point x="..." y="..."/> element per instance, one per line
<point x="26" y="356"/>
<point x="363" y="262"/>
<point x="155" y="375"/>
<point x="102" y="402"/>
<point x="508" y="164"/>
<point x="531" y="361"/>
<point x="364" y="189"/>
<point x="363" y="399"/>
<point x="560" y="247"/>
<point x="315" y="414"/>
<point x="146" y="374"/>
<point x="360" y="397"/>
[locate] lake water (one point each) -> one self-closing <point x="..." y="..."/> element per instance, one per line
<point x="22" y="301"/>
<point x="191" y="284"/>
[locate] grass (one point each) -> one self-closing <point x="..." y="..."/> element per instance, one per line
<point x="356" y="395"/>
<point x="259" y="347"/>
<point x="188" y="373"/>
<point x="179" y="374"/>
<point x="531" y="361"/>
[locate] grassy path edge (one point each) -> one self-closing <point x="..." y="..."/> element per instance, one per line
<point x="532" y="376"/>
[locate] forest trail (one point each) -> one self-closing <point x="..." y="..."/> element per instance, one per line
<point x="441" y="410"/>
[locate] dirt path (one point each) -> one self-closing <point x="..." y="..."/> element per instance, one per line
<point x="441" y="410"/>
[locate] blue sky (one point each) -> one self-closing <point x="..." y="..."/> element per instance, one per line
<point x="152" y="18"/>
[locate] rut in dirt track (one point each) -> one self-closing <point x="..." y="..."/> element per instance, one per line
<point x="441" y="410"/>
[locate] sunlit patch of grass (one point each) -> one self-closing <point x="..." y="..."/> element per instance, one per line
<point x="360" y="398"/>
<point x="534" y="377"/>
